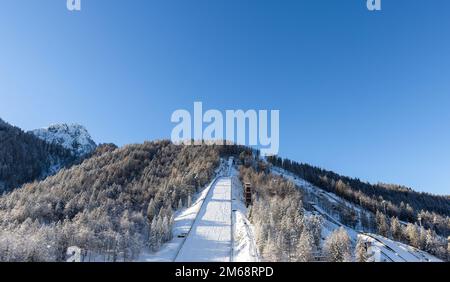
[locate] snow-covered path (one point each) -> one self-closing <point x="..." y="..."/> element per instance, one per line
<point x="210" y="237"/>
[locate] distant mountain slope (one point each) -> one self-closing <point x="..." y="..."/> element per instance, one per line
<point x="25" y="158"/>
<point x="73" y="137"/>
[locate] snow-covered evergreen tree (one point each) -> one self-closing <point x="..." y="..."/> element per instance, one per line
<point x="153" y="236"/>
<point x="396" y="229"/>
<point x="337" y="246"/>
<point x="313" y="223"/>
<point x="151" y="210"/>
<point x="305" y="247"/>
<point x="189" y="201"/>
<point x="448" y="248"/>
<point x="271" y="251"/>
<point x="382" y="225"/>
<point x="430" y="242"/>
<point x="360" y="250"/>
<point x="412" y="234"/>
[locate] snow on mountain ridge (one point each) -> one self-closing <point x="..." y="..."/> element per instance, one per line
<point x="73" y="136"/>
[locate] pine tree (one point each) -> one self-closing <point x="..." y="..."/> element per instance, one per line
<point x="448" y="248"/>
<point x="314" y="225"/>
<point x="413" y="235"/>
<point x="153" y="235"/>
<point x="180" y="204"/>
<point x="305" y="247"/>
<point x="337" y="246"/>
<point x="151" y="210"/>
<point x="364" y="220"/>
<point x="360" y="250"/>
<point x="396" y="229"/>
<point x="167" y="229"/>
<point x="382" y="225"/>
<point x="283" y="255"/>
<point x="160" y="232"/>
<point x="271" y="251"/>
<point x="430" y="242"/>
<point x="422" y="238"/>
<point x="189" y="201"/>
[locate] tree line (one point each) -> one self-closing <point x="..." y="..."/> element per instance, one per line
<point x="113" y="205"/>
<point x="284" y="231"/>
<point x="25" y="158"/>
<point x="423" y="229"/>
<point x="430" y="211"/>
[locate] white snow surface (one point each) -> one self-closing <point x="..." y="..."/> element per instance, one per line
<point x="383" y="249"/>
<point x="210" y="238"/>
<point x="380" y="248"/>
<point x="74" y="137"/>
<point x="209" y="230"/>
<point x="216" y="229"/>
<point x="183" y="223"/>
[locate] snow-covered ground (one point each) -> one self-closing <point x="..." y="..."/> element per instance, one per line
<point x="209" y="230"/>
<point x="216" y="229"/>
<point x="380" y="249"/>
<point x="210" y="237"/>
<point x="305" y="185"/>
<point x="182" y="224"/>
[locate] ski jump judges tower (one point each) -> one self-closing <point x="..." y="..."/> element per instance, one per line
<point x="248" y="193"/>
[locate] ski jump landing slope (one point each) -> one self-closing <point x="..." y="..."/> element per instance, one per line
<point x="210" y="238"/>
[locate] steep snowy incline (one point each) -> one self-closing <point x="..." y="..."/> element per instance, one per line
<point x="380" y="249"/>
<point x="210" y="238"/>
<point x="184" y="219"/>
<point x="395" y="251"/>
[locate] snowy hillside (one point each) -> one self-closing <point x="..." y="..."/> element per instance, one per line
<point x="26" y="158"/>
<point x="382" y="249"/>
<point x="216" y="226"/>
<point x="71" y="136"/>
<point x="214" y="229"/>
<point x="378" y="248"/>
<point x="187" y="204"/>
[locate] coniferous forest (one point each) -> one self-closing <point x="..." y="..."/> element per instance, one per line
<point x="419" y="219"/>
<point x="116" y="202"/>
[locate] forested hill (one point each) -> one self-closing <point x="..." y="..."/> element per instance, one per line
<point x="25" y="158"/>
<point x="432" y="211"/>
<point x="106" y="204"/>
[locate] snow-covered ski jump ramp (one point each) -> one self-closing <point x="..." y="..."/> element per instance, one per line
<point x="210" y="238"/>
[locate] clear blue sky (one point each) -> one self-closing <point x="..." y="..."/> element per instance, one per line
<point x="364" y="94"/>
